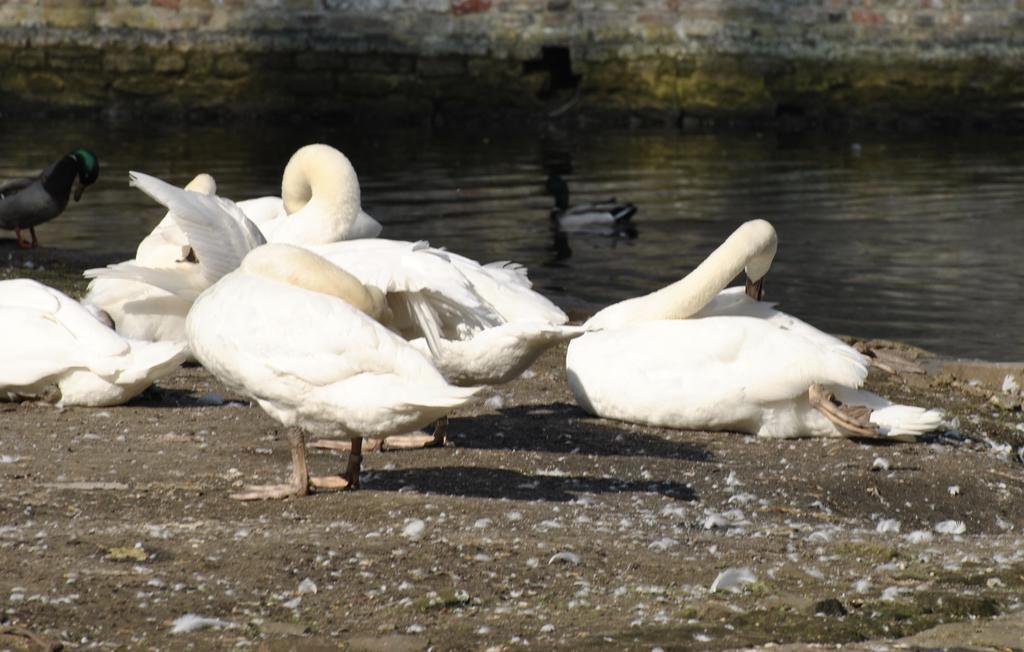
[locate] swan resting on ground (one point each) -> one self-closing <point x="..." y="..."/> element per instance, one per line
<point x="52" y="340"/>
<point x="301" y="337"/>
<point x="695" y="357"/>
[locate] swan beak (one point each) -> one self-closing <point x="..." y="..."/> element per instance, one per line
<point x="79" y="189"/>
<point x="755" y="289"/>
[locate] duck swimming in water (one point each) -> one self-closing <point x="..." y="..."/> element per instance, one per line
<point x="596" y="217"/>
<point x="30" y="201"/>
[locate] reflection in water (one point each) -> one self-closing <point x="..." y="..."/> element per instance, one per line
<point x="915" y="239"/>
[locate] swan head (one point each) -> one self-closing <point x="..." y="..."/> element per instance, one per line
<point x="203" y="183"/>
<point x="764" y="242"/>
<point x="301" y="268"/>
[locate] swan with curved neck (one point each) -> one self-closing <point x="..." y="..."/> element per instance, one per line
<point x="750" y="248"/>
<point x="319" y="205"/>
<point x="692" y="356"/>
<point x="320" y="201"/>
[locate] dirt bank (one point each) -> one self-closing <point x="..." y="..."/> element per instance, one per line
<point x="538" y="525"/>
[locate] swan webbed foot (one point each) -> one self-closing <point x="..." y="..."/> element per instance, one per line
<point x="299" y="484"/>
<point x="755" y="289"/>
<point x="436" y="439"/>
<point x="350" y="478"/>
<point x="888" y="360"/>
<point x="271" y="491"/>
<point x="851" y="420"/>
<point x="369" y="446"/>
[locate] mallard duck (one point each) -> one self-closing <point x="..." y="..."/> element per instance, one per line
<point x="597" y="216"/>
<point x="692" y="356"/>
<point x="30" y="201"/>
<point x="50" y="340"/>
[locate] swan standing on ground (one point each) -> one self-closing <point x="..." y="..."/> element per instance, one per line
<point x="311" y="210"/>
<point x="442" y="297"/>
<point x="660" y="361"/>
<point x="481" y="324"/>
<point x="301" y="337"/>
<point x="50" y="339"/>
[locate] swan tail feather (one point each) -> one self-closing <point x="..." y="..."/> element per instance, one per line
<point x="906" y="421"/>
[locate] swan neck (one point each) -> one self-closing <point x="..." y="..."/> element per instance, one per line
<point x="751" y="247"/>
<point x="319" y="186"/>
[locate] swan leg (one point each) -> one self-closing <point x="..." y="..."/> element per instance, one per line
<point x="851" y="420"/>
<point x="436" y="439"/>
<point x="299" y="485"/>
<point x="350" y="478"/>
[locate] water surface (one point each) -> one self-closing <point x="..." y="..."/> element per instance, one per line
<point x="910" y="238"/>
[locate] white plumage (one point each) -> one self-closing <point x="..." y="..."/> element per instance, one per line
<point x="318" y="204"/>
<point x="51" y="339"/>
<point x="432" y="293"/>
<point x="694" y="356"/>
<point x="309" y="358"/>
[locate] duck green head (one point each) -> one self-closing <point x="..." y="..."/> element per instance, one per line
<point x="88" y="169"/>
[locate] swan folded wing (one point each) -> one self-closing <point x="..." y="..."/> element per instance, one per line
<point x="186" y="286"/>
<point x="217" y="229"/>
<point x="26" y="293"/>
<point x="735" y="302"/>
<point x="48" y="307"/>
<point x="779" y="365"/>
<point x="735" y="354"/>
<point x="411" y="273"/>
<point x="39" y="345"/>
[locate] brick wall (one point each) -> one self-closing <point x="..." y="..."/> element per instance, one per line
<point x="652" y="59"/>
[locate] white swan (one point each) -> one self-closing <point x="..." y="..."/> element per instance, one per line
<point x="50" y="339"/>
<point x="317" y="205"/>
<point x="319" y="201"/>
<point x="691" y="357"/>
<point x="139" y="310"/>
<point x="283" y="330"/>
<point x="448" y="300"/>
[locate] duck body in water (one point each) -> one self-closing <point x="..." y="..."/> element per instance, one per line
<point x="27" y="202"/>
<point x="599" y="216"/>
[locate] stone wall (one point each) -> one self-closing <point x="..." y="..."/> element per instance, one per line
<point x="647" y="59"/>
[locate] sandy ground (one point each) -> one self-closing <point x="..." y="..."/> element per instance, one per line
<point x="538" y="526"/>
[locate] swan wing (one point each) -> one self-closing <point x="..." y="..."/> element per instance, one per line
<point x="427" y="294"/>
<point x="513" y="298"/>
<point x="711" y="362"/>
<point x="46" y="332"/>
<point x="217" y="229"/>
<point x="734" y="302"/>
<point x="185" y="281"/>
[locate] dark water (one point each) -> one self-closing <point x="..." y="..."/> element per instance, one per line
<point x="911" y="238"/>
